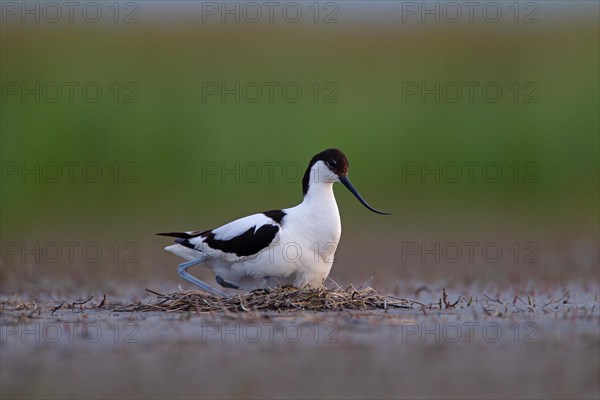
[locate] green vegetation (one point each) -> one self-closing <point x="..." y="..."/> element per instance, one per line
<point x="172" y="132"/>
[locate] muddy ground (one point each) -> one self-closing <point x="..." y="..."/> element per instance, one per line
<point x="528" y="344"/>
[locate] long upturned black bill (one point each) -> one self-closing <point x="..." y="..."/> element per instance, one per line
<point x="346" y="182"/>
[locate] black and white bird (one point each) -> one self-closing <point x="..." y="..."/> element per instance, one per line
<point x="290" y="247"/>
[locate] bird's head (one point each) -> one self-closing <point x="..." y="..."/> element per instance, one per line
<point x="330" y="166"/>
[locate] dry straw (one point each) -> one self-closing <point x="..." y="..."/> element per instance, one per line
<point x="275" y="300"/>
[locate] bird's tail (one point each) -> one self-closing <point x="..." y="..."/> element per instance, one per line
<point x="183" y="235"/>
<point x="184" y="248"/>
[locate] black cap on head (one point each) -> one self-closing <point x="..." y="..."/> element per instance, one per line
<point x="337" y="162"/>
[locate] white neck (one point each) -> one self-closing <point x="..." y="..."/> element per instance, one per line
<point x="319" y="193"/>
<point x="319" y="213"/>
<point x="318" y="217"/>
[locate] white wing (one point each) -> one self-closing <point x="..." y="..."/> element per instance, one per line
<point x="239" y="226"/>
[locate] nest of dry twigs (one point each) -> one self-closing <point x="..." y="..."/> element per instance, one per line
<point x="275" y="300"/>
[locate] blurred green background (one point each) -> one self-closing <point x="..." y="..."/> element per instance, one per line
<point x="165" y="139"/>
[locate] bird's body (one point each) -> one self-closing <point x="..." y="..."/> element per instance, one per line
<point x="288" y="247"/>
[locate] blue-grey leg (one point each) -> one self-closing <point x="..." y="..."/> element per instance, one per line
<point x="181" y="269"/>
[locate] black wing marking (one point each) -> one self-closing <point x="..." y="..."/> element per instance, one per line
<point x="246" y="244"/>
<point x="183" y="238"/>
<point x="275" y="215"/>
<point x="183" y="235"/>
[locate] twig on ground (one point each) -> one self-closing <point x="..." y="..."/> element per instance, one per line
<point x="275" y="300"/>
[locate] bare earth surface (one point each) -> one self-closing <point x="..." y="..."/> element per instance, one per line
<point x="519" y="345"/>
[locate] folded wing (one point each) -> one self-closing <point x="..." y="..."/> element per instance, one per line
<point x="236" y="240"/>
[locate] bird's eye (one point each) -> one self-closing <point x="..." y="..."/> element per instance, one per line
<point x="331" y="163"/>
